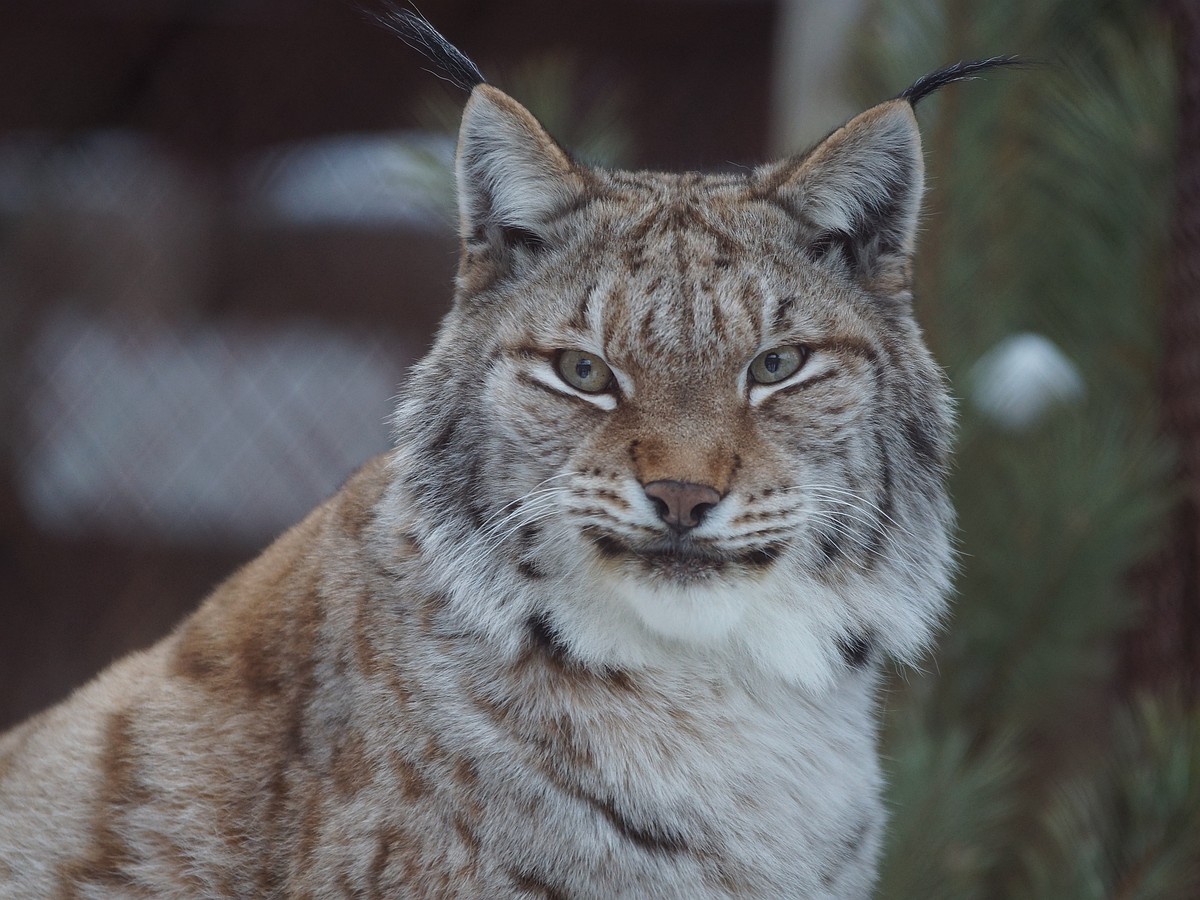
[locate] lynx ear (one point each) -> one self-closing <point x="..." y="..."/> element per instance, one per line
<point x="512" y="176"/>
<point x="859" y="191"/>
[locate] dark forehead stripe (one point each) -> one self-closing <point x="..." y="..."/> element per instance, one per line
<point x="615" y="309"/>
<point x="783" y="311"/>
<point x="698" y="248"/>
<point x="715" y="314"/>
<point x="696" y="217"/>
<point x="579" y="319"/>
<point x="691" y="213"/>
<point x="683" y="267"/>
<point x="750" y="301"/>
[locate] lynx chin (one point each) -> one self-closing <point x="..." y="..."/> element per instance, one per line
<point x="609" y="620"/>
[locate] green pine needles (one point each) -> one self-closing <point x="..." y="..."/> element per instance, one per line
<point x="1016" y="769"/>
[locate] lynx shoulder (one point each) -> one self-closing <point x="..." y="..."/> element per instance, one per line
<point x="609" y="620"/>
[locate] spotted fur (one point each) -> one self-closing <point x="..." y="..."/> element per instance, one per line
<point x="487" y="667"/>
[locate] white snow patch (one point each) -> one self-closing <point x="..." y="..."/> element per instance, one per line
<point x="1020" y="379"/>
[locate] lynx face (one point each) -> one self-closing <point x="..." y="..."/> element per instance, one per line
<point x="687" y="416"/>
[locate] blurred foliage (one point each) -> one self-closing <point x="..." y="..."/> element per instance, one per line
<point x="1132" y="829"/>
<point x="1016" y="768"/>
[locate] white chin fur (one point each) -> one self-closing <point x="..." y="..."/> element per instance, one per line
<point x="781" y="623"/>
<point x="739" y="620"/>
<point x="694" y="614"/>
<point x="778" y="625"/>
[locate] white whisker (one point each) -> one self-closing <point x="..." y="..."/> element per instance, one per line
<point x="526" y="515"/>
<point x="536" y="489"/>
<point x="827" y="489"/>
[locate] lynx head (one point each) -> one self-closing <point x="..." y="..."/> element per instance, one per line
<point x="686" y="417"/>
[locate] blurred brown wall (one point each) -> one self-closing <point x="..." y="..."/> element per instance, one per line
<point x="213" y="83"/>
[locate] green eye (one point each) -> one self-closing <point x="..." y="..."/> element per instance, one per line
<point x="584" y="371"/>
<point x="778" y="363"/>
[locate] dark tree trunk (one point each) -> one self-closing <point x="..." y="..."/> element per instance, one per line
<point x="1165" y="648"/>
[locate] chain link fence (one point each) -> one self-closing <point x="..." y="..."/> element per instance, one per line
<point x="190" y="364"/>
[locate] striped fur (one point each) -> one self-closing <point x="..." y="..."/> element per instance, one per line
<point x="486" y="668"/>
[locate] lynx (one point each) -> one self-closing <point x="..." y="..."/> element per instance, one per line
<point x="610" y="620"/>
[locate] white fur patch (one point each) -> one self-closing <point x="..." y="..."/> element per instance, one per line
<point x="776" y="625"/>
<point x="694" y="614"/>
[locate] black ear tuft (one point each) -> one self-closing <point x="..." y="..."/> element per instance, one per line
<point x="960" y="71"/>
<point x="414" y="29"/>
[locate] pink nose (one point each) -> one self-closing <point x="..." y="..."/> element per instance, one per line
<point x="682" y="504"/>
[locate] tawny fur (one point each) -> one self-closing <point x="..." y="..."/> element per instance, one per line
<point x="486" y="668"/>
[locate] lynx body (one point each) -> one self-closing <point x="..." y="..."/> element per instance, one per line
<point x="609" y="621"/>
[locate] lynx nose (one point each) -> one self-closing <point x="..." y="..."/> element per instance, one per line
<point x="681" y="504"/>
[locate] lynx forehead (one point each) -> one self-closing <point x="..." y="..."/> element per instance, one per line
<point x="609" y="621"/>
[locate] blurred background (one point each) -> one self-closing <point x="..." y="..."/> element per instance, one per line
<point x="226" y="230"/>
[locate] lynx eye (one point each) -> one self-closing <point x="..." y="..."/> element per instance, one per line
<point x="778" y="363"/>
<point x="584" y="371"/>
